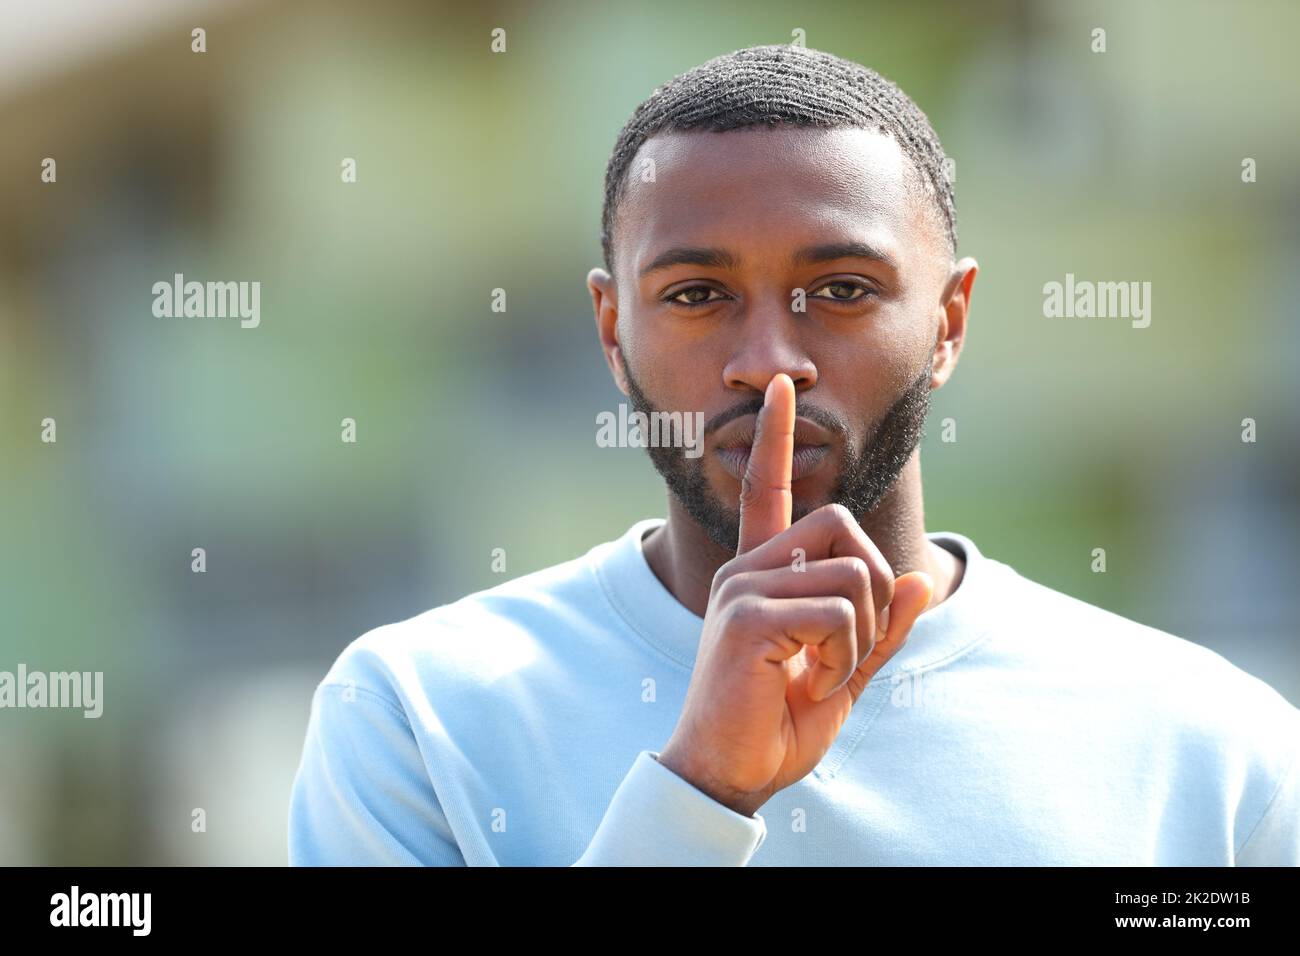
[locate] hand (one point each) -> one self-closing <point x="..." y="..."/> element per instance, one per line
<point x="784" y="654"/>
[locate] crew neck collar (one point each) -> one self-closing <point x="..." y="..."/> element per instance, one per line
<point x="658" y="618"/>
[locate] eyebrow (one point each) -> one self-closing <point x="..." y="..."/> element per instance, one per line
<point x="721" y="259"/>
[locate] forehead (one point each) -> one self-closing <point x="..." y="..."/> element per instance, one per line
<point x="766" y="189"/>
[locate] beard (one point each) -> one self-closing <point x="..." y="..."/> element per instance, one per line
<point x="867" y="472"/>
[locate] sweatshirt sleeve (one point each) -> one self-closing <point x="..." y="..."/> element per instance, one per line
<point x="656" y="818"/>
<point x="362" y="795"/>
<point x="1275" y="841"/>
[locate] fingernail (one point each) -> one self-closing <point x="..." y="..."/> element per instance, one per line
<point x="884" y="619"/>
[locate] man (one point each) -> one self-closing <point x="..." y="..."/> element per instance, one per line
<point x="789" y="670"/>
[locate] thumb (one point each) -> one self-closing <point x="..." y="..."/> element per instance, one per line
<point x="912" y="594"/>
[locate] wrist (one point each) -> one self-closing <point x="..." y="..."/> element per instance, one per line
<point x="738" y="801"/>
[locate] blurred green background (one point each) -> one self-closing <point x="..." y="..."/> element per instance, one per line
<point x="476" y="429"/>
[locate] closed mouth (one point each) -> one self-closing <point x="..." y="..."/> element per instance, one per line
<point x="806" y="460"/>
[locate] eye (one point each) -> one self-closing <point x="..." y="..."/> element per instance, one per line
<point x="842" y="285"/>
<point x="695" y="299"/>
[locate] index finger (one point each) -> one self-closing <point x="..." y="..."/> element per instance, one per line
<point x="765" y="497"/>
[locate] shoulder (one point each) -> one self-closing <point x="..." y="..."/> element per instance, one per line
<point x="1149" y="671"/>
<point x="476" y="640"/>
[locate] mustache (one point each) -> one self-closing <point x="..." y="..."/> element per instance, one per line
<point x="814" y="413"/>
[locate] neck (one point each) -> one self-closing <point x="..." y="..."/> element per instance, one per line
<point x="685" y="559"/>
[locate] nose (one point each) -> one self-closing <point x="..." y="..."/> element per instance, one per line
<point x="768" y="343"/>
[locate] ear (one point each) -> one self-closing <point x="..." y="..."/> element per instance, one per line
<point x="954" y="307"/>
<point x="604" y="300"/>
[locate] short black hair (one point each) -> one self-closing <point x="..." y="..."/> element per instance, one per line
<point x="774" y="84"/>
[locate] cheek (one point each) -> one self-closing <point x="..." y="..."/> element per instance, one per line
<point x="679" y="367"/>
<point x="865" y="375"/>
<point x="862" y="363"/>
<point x="636" y="359"/>
<point x="891" y="348"/>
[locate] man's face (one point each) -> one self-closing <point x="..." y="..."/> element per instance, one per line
<point x="737" y="222"/>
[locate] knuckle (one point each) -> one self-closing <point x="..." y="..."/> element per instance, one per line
<point x="751" y="489"/>
<point x="742" y="615"/>
<point x="731" y="586"/>
<point x="844" y="611"/>
<point x="839" y="516"/>
<point x="858" y="573"/>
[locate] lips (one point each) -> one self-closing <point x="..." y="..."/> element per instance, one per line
<point x="806" y="460"/>
<point x="741" y="433"/>
<point x="812" y="446"/>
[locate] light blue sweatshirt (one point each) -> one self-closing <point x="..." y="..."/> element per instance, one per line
<point x="1017" y="726"/>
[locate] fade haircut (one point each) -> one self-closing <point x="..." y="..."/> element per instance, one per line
<point x="775" y="84"/>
